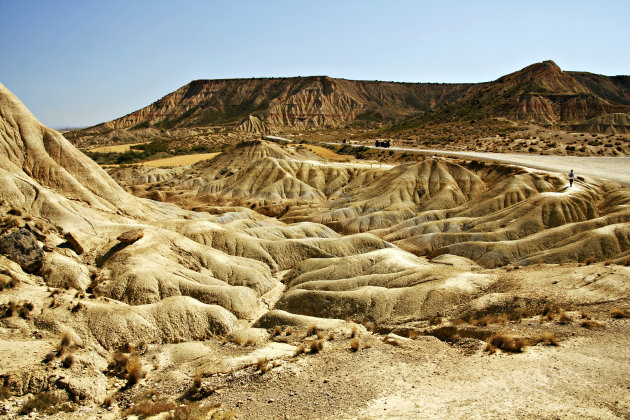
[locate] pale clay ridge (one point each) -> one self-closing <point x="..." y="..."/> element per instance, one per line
<point x="435" y="206"/>
<point x="223" y="267"/>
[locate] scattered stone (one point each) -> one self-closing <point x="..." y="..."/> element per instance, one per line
<point x="38" y="233"/>
<point x="74" y="243"/>
<point x="130" y="236"/>
<point x="21" y="246"/>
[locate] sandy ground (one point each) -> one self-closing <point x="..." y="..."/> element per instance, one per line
<point x="610" y="168"/>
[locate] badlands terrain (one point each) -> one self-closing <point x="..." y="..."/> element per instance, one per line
<point x="285" y="280"/>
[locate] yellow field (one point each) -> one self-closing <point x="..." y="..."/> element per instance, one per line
<point x="121" y="148"/>
<point x="180" y="160"/>
<point x="327" y="153"/>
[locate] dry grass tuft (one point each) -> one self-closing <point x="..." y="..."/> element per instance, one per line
<point x="354" y="331"/>
<point x="369" y="326"/>
<point x="134" y="371"/>
<point x="619" y="313"/>
<point x="585" y="315"/>
<point x="149" y="408"/>
<point x="197" y="380"/>
<point x="355" y="344"/>
<point x="5" y="392"/>
<point x="504" y="342"/>
<point x="312" y="330"/>
<point x="49" y="357"/>
<point x="277" y="330"/>
<point x="199" y="410"/>
<point x="563" y="318"/>
<point x="316" y="346"/>
<point x="590" y="324"/>
<point x="321" y="335"/>
<point x="288" y="331"/>
<point x="108" y="401"/>
<point x="300" y="349"/>
<point x="66" y="340"/>
<point x="68" y="361"/>
<point x="331" y="336"/>
<point x="263" y="365"/>
<point x="547" y="339"/>
<point x="435" y="320"/>
<point x="47" y="403"/>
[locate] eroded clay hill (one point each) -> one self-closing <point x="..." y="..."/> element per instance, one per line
<point x="144" y="307"/>
<point x="492" y="214"/>
<point x="139" y="271"/>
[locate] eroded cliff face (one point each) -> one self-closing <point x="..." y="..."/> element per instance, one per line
<point x="541" y="93"/>
<point x="298" y="102"/>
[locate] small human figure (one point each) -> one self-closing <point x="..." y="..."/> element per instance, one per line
<point x="571" y="178"/>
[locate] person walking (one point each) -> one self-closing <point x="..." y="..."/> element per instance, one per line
<point x="571" y="178"/>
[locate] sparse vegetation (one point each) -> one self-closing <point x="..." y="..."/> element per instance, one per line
<point x="591" y="324"/>
<point x="199" y="410"/>
<point x="355" y="344"/>
<point x="505" y="342"/>
<point x="316" y="346"/>
<point x="47" y="403"/>
<point x="197" y="380"/>
<point x="619" y="313"/>
<point x="263" y="365"/>
<point x="68" y="361"/>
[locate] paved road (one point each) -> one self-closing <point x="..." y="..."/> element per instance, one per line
<point x="610" y="168"/>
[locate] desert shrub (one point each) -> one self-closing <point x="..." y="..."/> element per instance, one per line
<point x="563" y="318"/>
<point x="263" y="365"/>
<point x="312" y="330"/>
<point x="354" y="331"/>
<point x="47" y="403"/>
<point x="277" y="330"/>
<point x="547" y="339"/>
<point x="591" y="324"/>
<point x="355" y="344"/>
<point x="300" y="349"/>
<point x="134" y="371"/>
<point x="150" y="408"/>
<point x="68" y="361"/>
<point x="197" y="380"/>
<point x="49" y="357"/>
<point x="619" y="313"/>
<point x="316" y="346"/>
<point x="504" y="342"/>
<point x="5" y="392"/>
<point x="199" y="410"/>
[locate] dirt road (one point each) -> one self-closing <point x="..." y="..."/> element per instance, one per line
<point x="609" y="168"/>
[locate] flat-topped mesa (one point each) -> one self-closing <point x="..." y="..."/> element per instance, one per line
<point x="295" y="102"/>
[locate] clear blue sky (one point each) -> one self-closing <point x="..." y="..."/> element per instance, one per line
<point x="78" y="63"/>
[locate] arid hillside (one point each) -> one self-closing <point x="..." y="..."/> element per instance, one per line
<point x="266" y="105"/>
<point x="284" y="283"/>
<point x="541" y="94"/>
